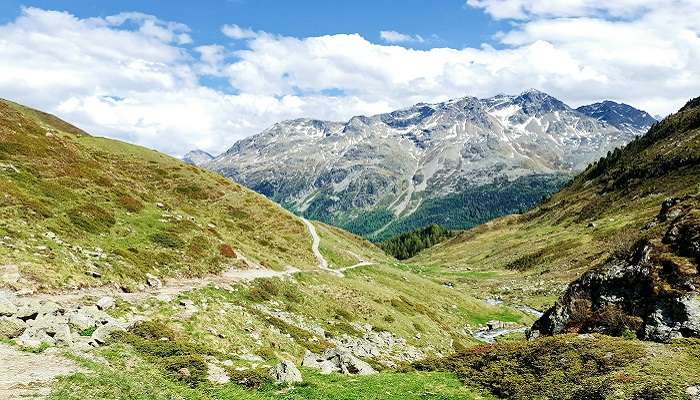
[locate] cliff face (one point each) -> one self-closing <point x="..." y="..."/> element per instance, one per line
<point x="651" y="290"/>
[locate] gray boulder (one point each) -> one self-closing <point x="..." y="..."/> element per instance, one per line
<point x="286" y="372"/>
<point x="105" y="303"/>
<point x="693" y="392"/>
<point x="337" y="359"/>
<point x="7" y="308"/>
<point x="81" y="320"/>
<point x="102" y="332"/>
<point x="11" y="327"/>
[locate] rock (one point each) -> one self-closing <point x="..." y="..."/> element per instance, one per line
<point x="62" y="335"/>
<point x="105" y="303"/>
<point x="7" y="308"/>
<point x="693" y="392"/>
<point x="102" y="333"/>
<point x="184" y="373"/>
<point x="9" y="274"/>
<point x="650" y="289"/>
<point x="153" y="281"/>
<point x="34" y="337"/>
<point x="216" y="374"/>
<point x="50" y="308"/>
<point x="11" y="327"/>
<point x="591" y="225"/>
<point x="286" y="372"/>
<point x="28" y="310"/>
<point x="49" y="323"/>
<point x="337" y="359"/>
<point x="81" y="320"/>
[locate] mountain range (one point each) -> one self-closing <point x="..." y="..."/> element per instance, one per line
<point x="456" y="163"/>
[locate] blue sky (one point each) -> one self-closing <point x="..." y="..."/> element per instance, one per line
<point x="455" y="24"/>
<point x="178" y="75"/>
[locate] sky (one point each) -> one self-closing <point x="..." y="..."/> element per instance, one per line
<point x="179" y="75"/>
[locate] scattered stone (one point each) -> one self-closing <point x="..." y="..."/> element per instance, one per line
<point x="448" y="285"/>
<point x="7" y="308"/>
<point x="184" y="373"/>
<point x="9" y="274"/>
<point x="81" y="320"/>
<point x="93" y="273"/>
<point x="105" y="303"/>
<point x="591" y="225"/>
<point x="286" y="372"/>
<point x="693" y="392"/>
<point x="153" y="281"/>
<point x="216" y="374"/>
<point x="102" y="332"/>
<point x="11" y="327"/>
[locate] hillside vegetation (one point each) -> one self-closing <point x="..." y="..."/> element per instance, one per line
<point x="407" y="245"/>
<point x="78" y="210"/>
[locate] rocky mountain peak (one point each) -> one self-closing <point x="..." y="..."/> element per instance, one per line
<point x="197" y="157"/>
<point x="619" y="115"/>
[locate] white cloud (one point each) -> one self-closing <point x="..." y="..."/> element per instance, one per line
<point x="236" y="32"/>
<point x="130" y="76"/>
<point x="398" y="37"/>
<point x="526" y="9"/>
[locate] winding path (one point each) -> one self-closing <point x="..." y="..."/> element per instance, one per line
<point x="322" y="262"/>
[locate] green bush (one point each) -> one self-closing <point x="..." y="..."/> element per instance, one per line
<point x="561" y="367"/>
<point x="91" y="218"/>
<point x="130" y="204"/>
<point x="190" y="369"/>
<point x="250" y="378"/>
<point x="168" y="240"/>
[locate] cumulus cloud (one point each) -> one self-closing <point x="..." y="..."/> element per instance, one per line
<point x="398" y="37"/>
<point x="135" y="77"/>
<point x="236" y="32"/>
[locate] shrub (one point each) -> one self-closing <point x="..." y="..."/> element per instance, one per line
<point x="263" y="290"/>
<point x="91" y="218"/>
<point x="130" y="204"/>
<point x="227" y="251"/>
<point x="152" y="330"/>
<point x="560" y="367"/>
<point x="190" y="369"/>
<point x="250" y="378"/>
<point x="168" y="240"/>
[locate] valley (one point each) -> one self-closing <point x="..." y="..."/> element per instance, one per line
<point x="148" y="278"/>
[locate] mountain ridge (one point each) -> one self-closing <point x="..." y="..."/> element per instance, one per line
<point x="399" y="165"/>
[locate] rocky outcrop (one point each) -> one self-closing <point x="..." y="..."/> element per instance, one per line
<point x="651" y="291"/>
<point x="337" y="359"/>
<point x="286" y="372"/>
<point x="34" y="323"/>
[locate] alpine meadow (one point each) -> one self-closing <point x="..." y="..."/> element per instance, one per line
<point x="472" y="199"/>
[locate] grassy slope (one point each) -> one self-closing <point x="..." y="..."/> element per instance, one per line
<point x="147" y="212"/>
<point x="532" y="257"/>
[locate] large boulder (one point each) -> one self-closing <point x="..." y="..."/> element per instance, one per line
<point x="652" y="290"/>
<point x="105" y="303"/>
<point x="7" y="307"/>
<point x="11" y="327"/>
<point x="337" y="359"/>
<point x="286" y="372"/>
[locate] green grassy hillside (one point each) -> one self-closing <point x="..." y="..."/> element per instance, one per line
<point x="78" y="210"/>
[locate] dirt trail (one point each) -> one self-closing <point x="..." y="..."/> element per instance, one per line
<point x="322" y="262"/>
<point x="28" y="376"/>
